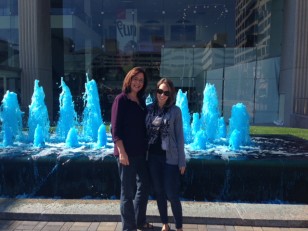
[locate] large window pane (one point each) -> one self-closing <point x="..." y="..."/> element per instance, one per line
<point x="192" y="42"/>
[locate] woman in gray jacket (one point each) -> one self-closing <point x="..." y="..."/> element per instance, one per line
<point x="166" y="156"/>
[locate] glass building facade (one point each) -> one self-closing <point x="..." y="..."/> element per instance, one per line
<point x="234" y="44"/>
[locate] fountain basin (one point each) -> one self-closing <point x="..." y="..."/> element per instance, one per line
<point x="258" y="181"/>
<point x="52" y="177"/>
<point x="276" y="172"/>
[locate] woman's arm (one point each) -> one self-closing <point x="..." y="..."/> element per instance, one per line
<point x="179" y="134"/>
<point x="117" y="118"/>
<point x="116" y="125"/>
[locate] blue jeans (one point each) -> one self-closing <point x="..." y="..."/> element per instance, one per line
<point x="166" y="184"/>
<point x="134" y="193"/>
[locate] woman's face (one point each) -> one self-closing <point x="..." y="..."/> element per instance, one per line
<point x="162" y="94"/>
<point x="137" y="82"/>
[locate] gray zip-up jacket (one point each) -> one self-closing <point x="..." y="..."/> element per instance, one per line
<point x="173" y="144"/>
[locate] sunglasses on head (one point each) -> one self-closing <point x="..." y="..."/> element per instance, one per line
<point x="160" y="91"/>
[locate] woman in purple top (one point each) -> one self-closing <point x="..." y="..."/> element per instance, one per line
<point x="129" y="135"/>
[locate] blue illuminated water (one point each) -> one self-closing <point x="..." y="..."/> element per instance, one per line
<point x="67" y="113"/>
<point x="92" y="117"/>
<point x="148" y="100"/>
<point x="88" y="134"/>
<point x="102" y="137"/>
<point x="11" y="119"/>
<point x="72" y="138"/>
<point x="222" y="128"/>
<point x="239" y="127"/>
<point x="208" y="129"/>
<point x="210" y="113"/>
<point x="182" y="102"/>
<point x="202" y="131"/>
<point x="38" y="114"/>
<point x="195" y="125"/>
<point x="39" y="138"/>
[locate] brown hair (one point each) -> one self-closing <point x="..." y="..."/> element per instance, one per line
<point x="169" y="83"/>
<point x="128" y="80"/>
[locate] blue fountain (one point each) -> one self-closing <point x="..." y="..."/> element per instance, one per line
<point x="224" y="163"/>
<point x="208" y="128"/>
<point x="67" y="129"/>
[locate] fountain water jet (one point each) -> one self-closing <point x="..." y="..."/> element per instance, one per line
<point x="38" y="114"/>
<point x="92" y="118"/>
<point x="68" y="115"/>
<point x="102" y="137"/>
<point x="182" y="102"/>
<point x="72" y="138"/>
<point x="239" y="127"/>
<point x="11" y="118"/>
<point x="210" y="113"/>
<point x="39" y="140"/>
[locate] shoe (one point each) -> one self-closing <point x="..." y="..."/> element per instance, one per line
<point x="146" y="226"/>
<point x="165" y="228"/>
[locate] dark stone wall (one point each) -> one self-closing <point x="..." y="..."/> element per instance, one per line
<point x="52" y="177"/>
<point x="242" y="180"/>
<point x="270" y="180"/>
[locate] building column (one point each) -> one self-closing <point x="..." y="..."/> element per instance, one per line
<point x="35" y="50"/>
<point x="294" y="65"/>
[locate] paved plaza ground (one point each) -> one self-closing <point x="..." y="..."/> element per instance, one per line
<point x="59" y="214"/>
<point x="116" y="226"/>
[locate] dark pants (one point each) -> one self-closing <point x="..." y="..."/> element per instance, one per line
<point x="166" y="184"/>
<point x="134" y="193"/>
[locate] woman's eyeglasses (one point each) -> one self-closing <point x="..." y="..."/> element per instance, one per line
<point x="160" y="91"/>
<point x="138" y="80"/>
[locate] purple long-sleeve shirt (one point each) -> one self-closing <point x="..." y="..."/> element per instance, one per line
<point x="128" y="125"/>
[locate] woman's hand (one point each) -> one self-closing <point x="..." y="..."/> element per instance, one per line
<point x="123" y="158"/>
<point x="182" y="170"/>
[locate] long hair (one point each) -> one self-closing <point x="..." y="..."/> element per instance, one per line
<point x="171" y="99"/>
<point x="128" y="80"/>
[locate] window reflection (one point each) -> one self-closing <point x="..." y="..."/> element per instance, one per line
<point x="183" y="40"/>
<point x="192" y="42"/>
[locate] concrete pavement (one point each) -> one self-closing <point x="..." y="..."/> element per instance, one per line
<point x="194" y="213"/>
